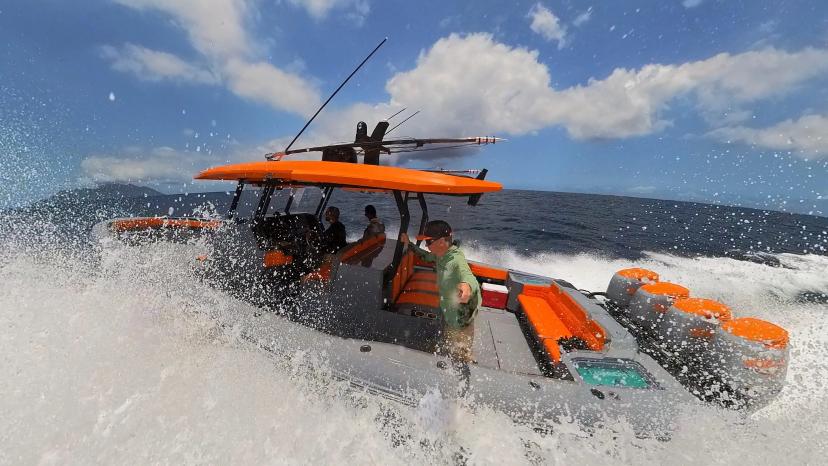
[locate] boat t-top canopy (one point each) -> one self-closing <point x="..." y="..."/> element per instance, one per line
<point x="322" y="173"/>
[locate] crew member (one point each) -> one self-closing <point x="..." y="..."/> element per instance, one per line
<point x="333" y="238"/>
<point x="375" y="226"/>
<point x="459" y="289"/>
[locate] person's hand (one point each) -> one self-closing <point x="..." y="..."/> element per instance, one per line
<point x="404" y="238"/>
<point x="464" y="292"/>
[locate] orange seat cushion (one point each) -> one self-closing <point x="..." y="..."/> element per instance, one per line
<point x="362" y="248"/>
<point x="418" y="287"/>
<point x="554" y="314"/>
<point x="422" y="286"/>
<point x="487" y="271"/>
<point x="423" y="299"/>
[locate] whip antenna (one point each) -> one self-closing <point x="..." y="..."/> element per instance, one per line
<point x="398" y="124"/>
<point x="392" y="116"/>
<point x="334" y="93"/>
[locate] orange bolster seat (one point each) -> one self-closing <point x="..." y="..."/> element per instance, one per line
<point x="487" y="271"/>
<point x="548" y="327"/>
<point x="276" y="258"/>
<point x="144" y="223"/>
<point x="419" y="262"/>
<point x="416" y="297"/>
<point x="552" y="349"/>
<point x="410" y="286"/>
<point x="353" y="254"/>
<point x="421" y="285"/>
<point x="554" y="314"/>
<point x="322" y="274"/>
<point x="424" y="275"/>
<point x="362" y="248"/>
<point x="403" y="273"/>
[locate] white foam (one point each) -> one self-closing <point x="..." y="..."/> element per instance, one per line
<point x="115" y="362"/>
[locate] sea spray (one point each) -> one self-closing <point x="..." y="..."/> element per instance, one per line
<point x="116" y="354"/>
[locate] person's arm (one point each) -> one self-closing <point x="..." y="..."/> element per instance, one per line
<point x="465" y="275"/>
<point x="420" y="252"/>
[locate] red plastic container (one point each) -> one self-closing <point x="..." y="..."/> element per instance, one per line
<point x="494" y="296"/>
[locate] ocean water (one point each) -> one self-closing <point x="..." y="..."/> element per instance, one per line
<point x="108" y="356"/>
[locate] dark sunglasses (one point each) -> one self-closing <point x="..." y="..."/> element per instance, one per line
<point x="428" y="241"/>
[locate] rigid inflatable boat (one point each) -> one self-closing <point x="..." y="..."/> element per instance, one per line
<point x="543" y="349"/>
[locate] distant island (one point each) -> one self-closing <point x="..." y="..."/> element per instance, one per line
<point x="88" y="205"/>
<point x="111" y="190"/>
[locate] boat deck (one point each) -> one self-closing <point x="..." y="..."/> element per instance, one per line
<point x="499" y="343"/>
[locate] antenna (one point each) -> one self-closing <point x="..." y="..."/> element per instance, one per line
<point x="334" y="93"/>
<point x="392" y="116"/>
<point x="398" y="124"/>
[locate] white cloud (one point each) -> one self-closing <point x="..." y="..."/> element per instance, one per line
<point x="473" y="84"/>
<point x="728" y="117"/>
<point x="629" y="102"/>
<point x="262" y="82"/>
<point x="545" y="23"/>
<point x="583" y="17"/>
<point x="806" y="137"/>
<point x="161" y="164"/>
<point x="216" y="30"/>
<point x="359" y="13"/>
<point x="769" y="26"/>
<point x="215" y="27"/>
<point x="319" y="9"/>
<point x="691" y="3"/>
<point x="469" y="85"/>
<point x="648" y="189"/>
<point x="167" y="165"/>
<point x="449" y="21"/>
<point x="153" y="65"/>
<point x="753" y="75"/>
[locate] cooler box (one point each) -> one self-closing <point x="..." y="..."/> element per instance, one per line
<point x="494" y="296"/>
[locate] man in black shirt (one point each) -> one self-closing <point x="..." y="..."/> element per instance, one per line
<point x="332" y="239"/>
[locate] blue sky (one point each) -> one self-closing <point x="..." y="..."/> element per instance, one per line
<point x="718" y="101"/>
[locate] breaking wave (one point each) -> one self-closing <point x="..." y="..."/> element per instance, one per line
<point x="109" y="357"/>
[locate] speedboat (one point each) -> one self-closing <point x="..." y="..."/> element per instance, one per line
<point x="637" y="352"/>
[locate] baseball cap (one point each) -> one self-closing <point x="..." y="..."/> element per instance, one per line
<point x="435" y="229"/>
